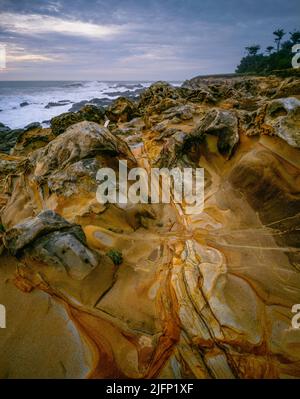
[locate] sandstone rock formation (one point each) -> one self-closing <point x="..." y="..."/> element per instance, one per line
<point x="148" y="290"/>
<point x="122" y="110"/>
<point x="88" y="112"/>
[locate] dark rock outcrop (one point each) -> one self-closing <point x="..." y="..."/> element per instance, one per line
<point x="61" y="103"/>
<point x="88" y="112"/>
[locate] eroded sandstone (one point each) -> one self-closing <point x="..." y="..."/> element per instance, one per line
<point x="201" y="296"/>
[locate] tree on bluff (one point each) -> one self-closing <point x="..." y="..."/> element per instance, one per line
<point x="255" y="62"/>
<point x="279" y="33"/>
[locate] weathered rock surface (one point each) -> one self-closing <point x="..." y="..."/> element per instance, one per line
<point x="206" y="295"/>
<point x="61" y="103"/>
<point x="88" y="112"/>
<point x="100" y="102"/>
<point x="9" y="138"/>
<point x="224" y="125"/>
<point x="50" y="239"/>
<point x="122" y="110"/>
<point x="283" y="115"/>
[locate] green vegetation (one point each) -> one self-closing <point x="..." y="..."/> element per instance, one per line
<point x="2" y="228"/>
<point x="274" y="58"/>
<point x="116" y="256"/>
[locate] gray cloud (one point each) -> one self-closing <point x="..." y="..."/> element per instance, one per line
<point x="135" y="39"/>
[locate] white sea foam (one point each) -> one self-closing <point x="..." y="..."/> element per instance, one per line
<point x="39" y="94"/>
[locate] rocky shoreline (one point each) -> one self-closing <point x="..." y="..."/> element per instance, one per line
<point x="189" y="296"/>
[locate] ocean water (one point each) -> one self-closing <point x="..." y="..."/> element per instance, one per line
<point x="38" y="94"/>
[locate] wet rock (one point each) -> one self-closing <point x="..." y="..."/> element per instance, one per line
<point x="8" y="138"/>
<point x="24" y="104"/>
<point x="131" y="94"/>
<point x="61" y="103"/>
<point x="33" y="125"/>
<point x="77" y="106"/>
<point x="100" y="102"/>
<point x="130" y="85"/>
<point x="4" y="128"/>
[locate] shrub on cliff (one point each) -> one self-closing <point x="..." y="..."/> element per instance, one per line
<point x="255" y="62"/>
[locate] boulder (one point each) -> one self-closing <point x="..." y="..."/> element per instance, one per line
<point x="283" y="116"/>
<point x="182" y="112"/>
<point x="202" y="95"/>
<point x="100" y="102"/>
<point x="88" y="112"/>
<point x="60" y="123"/>
<point x="26" y="232"/>
<point x="122" y="110"/>
<point x="61" y="103"/>
<point x="92" y="113"/>
<point x="50" y="239"/>
<point x="220" y="123"/>
<point x="31" y="139"/>
<point x="157" y="92"/>
<point x="8" y="138"/>
<point x="81" y="141"/>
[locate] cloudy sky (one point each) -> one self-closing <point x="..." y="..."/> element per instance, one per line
<point x="135" y="39"/>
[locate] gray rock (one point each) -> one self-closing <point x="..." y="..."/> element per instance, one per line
<point x="33" y="125"/>
<point x="100" y="102"/>
<point x="66" y="251"/>
<point x="8" y="138"/>
<point x="50" y="239"/>
<point x="60" y="103"/>
<point x="224" y="125"/>
<point x="182" y="112"/>
<point x="283" y="115"/>
<point x="23" y="234"/>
